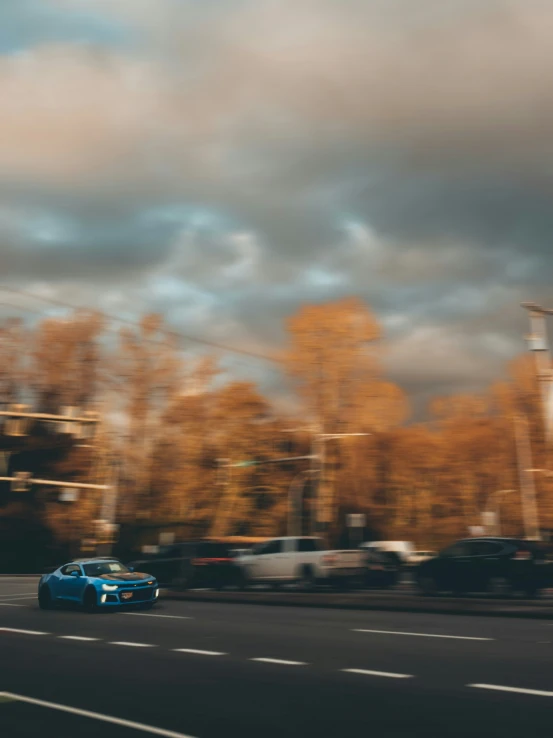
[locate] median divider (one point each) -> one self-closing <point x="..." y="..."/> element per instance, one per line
<point x="398" y="602"/>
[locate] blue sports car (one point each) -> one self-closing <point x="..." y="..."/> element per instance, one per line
<point x="97" y="583"/>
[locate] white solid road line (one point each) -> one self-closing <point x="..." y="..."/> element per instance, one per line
<point x="17" y="594"/>
<point x="95" y="716"/>
<point x="280" y="661"/>
<point x="520" y="690"/>
<point x="24" y="632"/>
<point x="128" y="643"/>
<point x="369" y="672"/>
<point x="201" y="653"/>
<point x="78" y="638"/>
<point x="9" y="604"/>
<point x="155" y="615"/>
<point x="19" y="597"/>
<point x="422" y="635"/>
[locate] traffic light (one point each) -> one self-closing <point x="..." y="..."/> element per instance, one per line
<point x="21" y="482"/>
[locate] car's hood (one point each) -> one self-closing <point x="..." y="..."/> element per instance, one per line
<point x="132" y="576"/>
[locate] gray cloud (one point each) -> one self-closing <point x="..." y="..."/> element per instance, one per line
<point x="230" y="161"/>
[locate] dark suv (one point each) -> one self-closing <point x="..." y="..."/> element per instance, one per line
<point x="494" y="565"/>
<point x="192" y="564"/>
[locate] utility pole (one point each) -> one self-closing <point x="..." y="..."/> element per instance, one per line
<point x="539" y="345"/>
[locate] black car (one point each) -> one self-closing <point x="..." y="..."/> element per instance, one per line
<point x="192" y="564"/>
<point x="493" y="565"/>
<point x="382" y="570"/>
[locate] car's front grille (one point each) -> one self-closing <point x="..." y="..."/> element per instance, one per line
<point x="137" y="595"/>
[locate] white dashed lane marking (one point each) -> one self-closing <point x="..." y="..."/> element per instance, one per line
<point x="24" y="632"/>
<point x="95" y="716"/>
<point x="422" y="635"/>
<point x="199" y="652"/>
<point x="78" y="638"/>
<point x="131" y="644"/>
<point x="17" y="594"/>
<point x="519" y="690"/>
<point x="155" y="615"/>
<point x="280" y="661"/>
<point x="369" y="672"/>
<point x="18" y="597"/>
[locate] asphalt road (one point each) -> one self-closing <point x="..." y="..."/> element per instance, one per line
<point x="211" y="669"/>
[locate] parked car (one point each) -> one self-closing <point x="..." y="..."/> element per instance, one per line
<point x="303" y="560"/>
<point x="238" y="552"/>
<point x="381" y="570"/>
<point x="193" y="564"/>
<point x="401" y="550"/>
<point x="487" y="564"/>
<point x="97" y="583"/>
<point x="417" y="557"/>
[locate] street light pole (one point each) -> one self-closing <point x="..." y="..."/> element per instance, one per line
<point x="318" y="466"/>
<point x="322" y="438"/>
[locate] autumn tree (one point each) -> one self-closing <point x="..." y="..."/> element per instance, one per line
<point x="13" y="361"/>
<point x="149" y="372"/>
<point x="334" y="362"/>
<point x="66" y="362"/>
<point x="58" y="364"/>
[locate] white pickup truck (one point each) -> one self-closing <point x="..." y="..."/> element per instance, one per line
<point x="302" y="560"/>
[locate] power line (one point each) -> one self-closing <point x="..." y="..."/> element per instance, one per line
<point x="135" y="323"/>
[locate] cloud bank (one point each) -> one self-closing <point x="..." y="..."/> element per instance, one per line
<point x="224" y="162"/>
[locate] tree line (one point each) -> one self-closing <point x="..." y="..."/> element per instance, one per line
<point x="174" y="426"/>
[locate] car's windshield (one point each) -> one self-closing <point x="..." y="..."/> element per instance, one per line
<point x="98" y="568"/>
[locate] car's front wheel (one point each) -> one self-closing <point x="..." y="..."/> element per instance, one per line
<point x="90" y="600"/>
<point x="45" y="598"/>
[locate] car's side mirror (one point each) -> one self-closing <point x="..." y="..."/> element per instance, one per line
<point x="75" y="574"/>
<point x="130" y="568"/>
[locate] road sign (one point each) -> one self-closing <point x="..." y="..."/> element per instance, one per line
<point x="356" y="520"/>
<point x="69" y="495"/>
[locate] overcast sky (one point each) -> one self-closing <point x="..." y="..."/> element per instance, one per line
<point x="223" y="161"/>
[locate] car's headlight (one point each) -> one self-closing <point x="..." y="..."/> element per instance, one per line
<point x="109" y="587"/>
